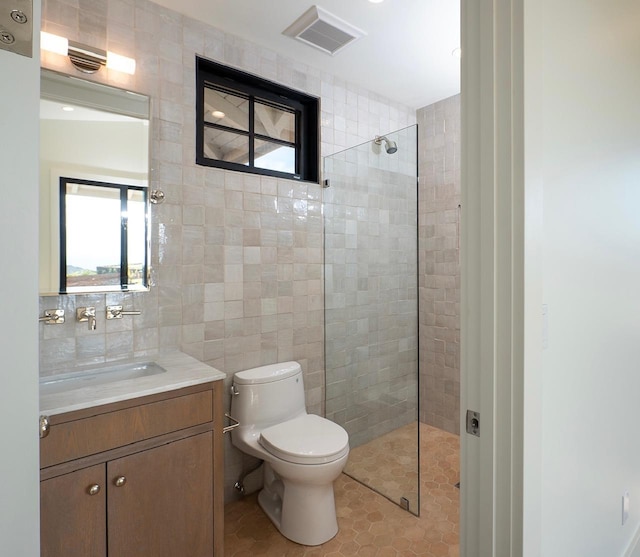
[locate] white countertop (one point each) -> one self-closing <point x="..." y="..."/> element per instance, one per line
<point x="181" y="371"/>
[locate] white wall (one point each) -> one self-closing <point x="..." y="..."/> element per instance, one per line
<point x="586" y="125"/>
<point x="19" y="101"/>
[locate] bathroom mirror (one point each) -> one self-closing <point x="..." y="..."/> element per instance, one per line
<point x="94" y="173"/>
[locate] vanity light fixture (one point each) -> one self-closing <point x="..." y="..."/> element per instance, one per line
<point x="85" y="58"/>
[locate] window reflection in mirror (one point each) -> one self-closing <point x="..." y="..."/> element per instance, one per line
<point x="103" y="237"/>
<point x="91" y="135"/>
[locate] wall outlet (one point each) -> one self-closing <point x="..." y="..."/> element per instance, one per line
<point x="625" y="507"/>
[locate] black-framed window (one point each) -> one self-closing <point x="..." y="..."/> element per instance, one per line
<point x="249" y="124"/>
<point x="104" y="242"/>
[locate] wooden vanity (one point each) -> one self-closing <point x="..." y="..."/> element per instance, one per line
<point x="137" y="477"/>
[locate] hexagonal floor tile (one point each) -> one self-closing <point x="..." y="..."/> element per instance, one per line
<point x="370" y="524"/>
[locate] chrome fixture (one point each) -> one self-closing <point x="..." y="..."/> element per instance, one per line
<point x="120" y="481"/>
<point x="239" y="485"/>
<point x="231" y="427"/>
<point x="85" y="58"/>
<point x="16" y="26"/>
<point x="156" y="197"/>
<point x="44" y="426"/>
<point x="390" y="146"/>
<point x="52" y="317"/>
<point x="87" y="314"/>
<point x="116" y="312"/>
<point x="93" y="489"/>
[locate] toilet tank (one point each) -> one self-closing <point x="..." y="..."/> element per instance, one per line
<point x="268" y="395"/>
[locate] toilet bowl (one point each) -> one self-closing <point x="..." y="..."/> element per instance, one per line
<point x="303" y="453"/>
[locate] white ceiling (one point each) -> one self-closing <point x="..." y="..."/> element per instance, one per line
<point x="52" y="110"/>
<point x="406" y="54"/>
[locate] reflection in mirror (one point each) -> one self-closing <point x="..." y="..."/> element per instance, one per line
<point x="100" y="220"/>
<point x="94" y="164"/>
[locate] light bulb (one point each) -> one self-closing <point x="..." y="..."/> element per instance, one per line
<point x="121" y="63"/>
<point x="54" y="43"/>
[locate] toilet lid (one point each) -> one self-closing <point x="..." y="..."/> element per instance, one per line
<point x="308" y="439"/>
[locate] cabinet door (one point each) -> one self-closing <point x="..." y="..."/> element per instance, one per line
<point x="73" y="514"/>
<point x="160" y="501"/>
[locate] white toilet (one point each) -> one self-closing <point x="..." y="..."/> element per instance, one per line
<point x="303" y="453"/>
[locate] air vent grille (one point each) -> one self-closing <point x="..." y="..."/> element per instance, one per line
<point x="323" y="30"/>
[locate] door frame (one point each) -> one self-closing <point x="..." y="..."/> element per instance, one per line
<point x="492" y="276"/>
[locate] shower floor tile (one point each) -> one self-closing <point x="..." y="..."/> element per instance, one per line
<point x="370" y="525"/>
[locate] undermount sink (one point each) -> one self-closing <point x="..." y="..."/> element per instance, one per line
<point x="99" y="376"/>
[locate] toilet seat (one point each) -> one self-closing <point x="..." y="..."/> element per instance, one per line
<point x="307" y="439"/>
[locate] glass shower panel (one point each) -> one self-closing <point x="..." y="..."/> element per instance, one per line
<point x="371" y="311"/>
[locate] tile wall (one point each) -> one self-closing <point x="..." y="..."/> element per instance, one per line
<point x="371" y="314"/>
<point x="237" y="259"/>
<point x="439" y="267"/>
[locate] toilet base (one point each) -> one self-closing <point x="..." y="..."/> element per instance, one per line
<point x="303" y="513"/>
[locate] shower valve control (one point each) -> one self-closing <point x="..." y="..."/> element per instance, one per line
<point x="473" y="423"/>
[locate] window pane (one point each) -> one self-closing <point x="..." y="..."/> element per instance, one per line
<point x="226" y="109"/>
<point x="136" y="245"/>
<point x="274" y="122"/>
<point x="273" y="156"/>
<point x="93" y="235"/>
<point x="226" y="146"/>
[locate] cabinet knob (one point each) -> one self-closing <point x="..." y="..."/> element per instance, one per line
<point x="93" y="489"/>
<point x="45" y="426"/>
<point x="120" y="481"/>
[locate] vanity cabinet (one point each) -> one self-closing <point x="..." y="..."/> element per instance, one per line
<point x="139" y="478"/>
<point x="72" y="521"/>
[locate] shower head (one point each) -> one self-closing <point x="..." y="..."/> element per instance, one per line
<point x="390" y="146"/>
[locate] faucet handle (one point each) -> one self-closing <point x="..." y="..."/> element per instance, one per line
<point x="116" y="312"/>
<point x="87" y="314"/>
<point x="52" y="317"/>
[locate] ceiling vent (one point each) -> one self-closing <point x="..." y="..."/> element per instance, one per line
<point x="322" y="30"/>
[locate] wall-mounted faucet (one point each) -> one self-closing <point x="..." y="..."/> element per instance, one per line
<point x="116" y="312"/>
<point x="87" y="314"/>
<point x="52" y="317"/>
